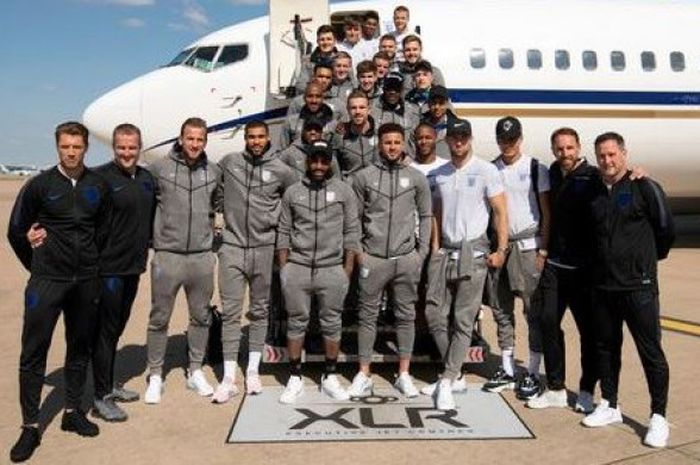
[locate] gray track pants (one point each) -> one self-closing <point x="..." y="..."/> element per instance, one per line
<point x="239" y="267"/>
<point x="402" y="275"/>
<point x="300" y="284"/>
<point x="463" y="297"/>
<point x="504" y="313"/>
<point x="169" y="272"/>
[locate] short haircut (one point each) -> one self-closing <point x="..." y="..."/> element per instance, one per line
<point x="72" y="128"/>
<point x="256" y="123"/>
<point x="323" y="65"/>
<point x="366" y="66"/>
<point x="381" y="56"/>
<point x="412" y="38"/>
<point x="606" y="136"/>
<point x="341" y="55"/>
<point x="324" y="29"/>
<point x="314" y="84"/>
<point x="371" y="15"/>
<point x="128" y="129"/>
<point x="426" y="126"/>
<point x="389" y="128"/>
<point x="401" y="8"/>
<point x="351" y="21"/>
<point x="357" y="93"/>
<point x="564" y="132"/>
<point x="193" y="122"/>
<point x="387" y="37"/>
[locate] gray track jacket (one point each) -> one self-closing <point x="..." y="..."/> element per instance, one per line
<point x="356" y="151"/>
<point x="184" y="203"/>
<point x="319" y="222"/>
<point x="388" y="196"/>
<point x="250" y="190"/>
<point x="295" y="155"/>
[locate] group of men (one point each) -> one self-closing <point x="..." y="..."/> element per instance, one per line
<point x="372" y="189"/>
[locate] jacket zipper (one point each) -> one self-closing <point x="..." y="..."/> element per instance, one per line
<point x="189" y="221"/>
<point x="391" y="208"/>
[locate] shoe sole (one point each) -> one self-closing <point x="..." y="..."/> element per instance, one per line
<point x="125" y="400"/>
<point x="296" y="398"/>
<point x="526" y="397"/>
<point x="96" y="414"/>
<point x="615" y="422"/>
<point x="85" y="435"/>
<point x="200" y="393"/>
<point x="499" y="389"/>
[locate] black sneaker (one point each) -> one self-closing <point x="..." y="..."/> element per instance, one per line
<point x="499" y="382"/>
<point x="77" y="422"/>
<point x="27" y="443"/>
<point x="528" y="387"/>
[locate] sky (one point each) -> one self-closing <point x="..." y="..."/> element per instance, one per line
<point x="60" y="55"/>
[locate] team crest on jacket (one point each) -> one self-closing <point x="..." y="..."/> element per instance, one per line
<point x="404" y="182"/>
<point x="266" y="175"/>
<point x="330" y="196"/>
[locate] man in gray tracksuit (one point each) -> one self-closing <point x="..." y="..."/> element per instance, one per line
<point x="296" y="154"/>
<point x="185" y="182"/>
<point x="319" y="234"/>
<point x="356" y="141"/>
<point x="389" y="193"/>
<point x="250" y="190"/>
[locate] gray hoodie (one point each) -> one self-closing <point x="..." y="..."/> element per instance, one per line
<point x="295" y="155"/>
<point x="250" y="190"/>
<point x="356" y="151"/>
<point x="319" y="222"/>
<point x="389" y="195"/>
<point x="184" y="203"/>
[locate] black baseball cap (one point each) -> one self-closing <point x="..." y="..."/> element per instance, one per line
<point x="393" y="81"/>
<point x="320" y="148"/>
<point x="508" y="129"/>
<point x="423" y="65"/>
<point x="459" y="127"/>
<point x="438" y="92"/>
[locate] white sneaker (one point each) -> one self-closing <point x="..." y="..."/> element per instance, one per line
<point x="293" y="390"/>
<point x="404" y="384"/>
<point x="443" y="395"/>
<point x="603" y="415"/>
<point x="361" y="385"/>
<point x="549" y="399"/>
<point x="458" y="385"/>
<point x="225" y="391"/>
<point x="154" y="390"/>
<point x="584" y="402"/>
<point x="332" y="388"/>
<point x="657" y="434"/>
<point x="197" y="382"/>
<point x="253" y="385"/>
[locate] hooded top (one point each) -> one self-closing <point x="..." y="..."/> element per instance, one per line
<point x="295" y="155"/>
<point x="356" y="151"/>
<point x="184" y="203"/>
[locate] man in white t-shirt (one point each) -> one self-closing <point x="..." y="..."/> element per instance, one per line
<point x="526" y="183"/>
<point x="468" y="191"/>
<point x="354" y="44"/>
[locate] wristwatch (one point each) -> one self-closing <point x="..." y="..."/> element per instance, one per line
<point x="543" y="252"/>
<point x="503" y="250"/>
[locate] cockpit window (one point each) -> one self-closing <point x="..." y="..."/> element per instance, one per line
<point x="202" y="58"/>
<point x="231" y="54"/>
<point x="181" y="57"/>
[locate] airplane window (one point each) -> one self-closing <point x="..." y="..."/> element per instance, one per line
<point x="590" y="60"/>
<point x="477" y="57"/>
<point x="231" y="54"/>
<point x="648" y="61"/>
<point x="617" y="60"/>
<point x="182" y="56"/>
<point x="677" y="61"/>
<point x="203" y="58"/>
<point x="534" y="59"/>
<point x="505" y="58"/>
<point x="561" y="59"/>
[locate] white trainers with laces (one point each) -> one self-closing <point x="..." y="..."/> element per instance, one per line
<point x="197" y="382"/>
<point x="253" y="385"/>
<point x="584" y="402"/>
<point x="404" y="384"/>
<point x="361" y="385"/>
<point x="657" y="434"/>
<point x="458" y="385"/>
<point x="225" y="391"/>
<point x="293" y="390"/>
<point x="332" y="388"/>
<point x="443" y="395"/>
<point x="154" y="390"/>
<point x="603" y="415"/>
<point x="549" y="398"/>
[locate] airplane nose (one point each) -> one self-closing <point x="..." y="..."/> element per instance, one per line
<point x="120" y="105"/>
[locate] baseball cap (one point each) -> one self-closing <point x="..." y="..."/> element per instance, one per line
<point x="393" y="81"/>
<point x="423" y="65"/>
<point x="320" y="148"/>
<point x="508" y="129"/>
<point x="459" y="127"/>
<point x="438" y="92"/>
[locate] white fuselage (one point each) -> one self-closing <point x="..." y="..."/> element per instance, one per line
<point x="658" y="111"/>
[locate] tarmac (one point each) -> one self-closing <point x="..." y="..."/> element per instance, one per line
<point x="187" y="429"/>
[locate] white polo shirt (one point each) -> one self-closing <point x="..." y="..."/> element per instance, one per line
<point x="428" y="169"/>
<point x="464" y="194"/>
<point x="360" y="51"/>
<point x="523" y="213"/>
